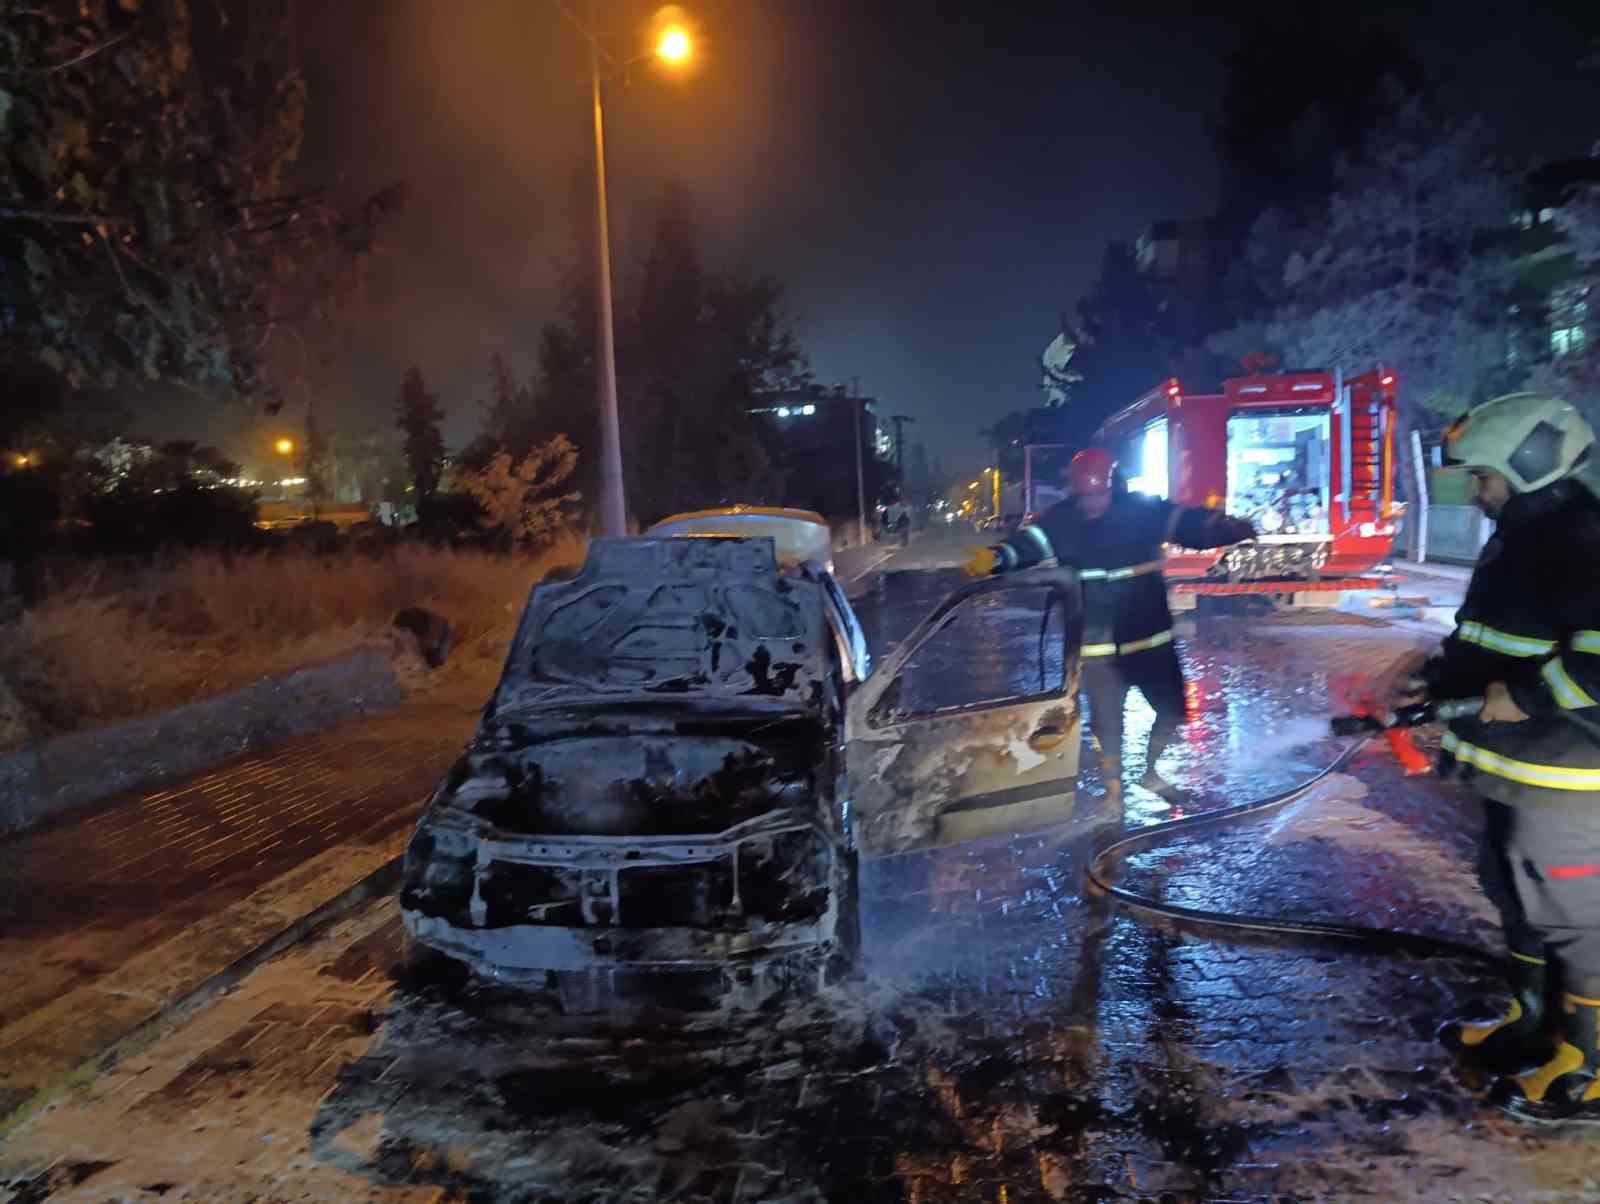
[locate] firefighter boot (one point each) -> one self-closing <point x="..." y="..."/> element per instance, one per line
<point x="1566" y="1089"/>
<point x="1111" y="775"/>
<point x="1516" y="1040"/>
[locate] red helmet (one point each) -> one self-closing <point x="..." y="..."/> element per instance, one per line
<point x="1090" y="471"/>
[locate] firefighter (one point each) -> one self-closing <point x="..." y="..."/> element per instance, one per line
<point x="1527" y="640"/>
<point x="897" y="520"/>
<point x="1114" y="539"/>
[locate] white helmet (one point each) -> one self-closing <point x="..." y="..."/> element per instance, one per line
<point x="1531" y="439"/>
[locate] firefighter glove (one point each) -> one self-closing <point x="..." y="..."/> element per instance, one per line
<point x="981" y="563"/>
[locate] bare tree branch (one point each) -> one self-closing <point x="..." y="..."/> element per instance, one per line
<point x="83" y="57"/>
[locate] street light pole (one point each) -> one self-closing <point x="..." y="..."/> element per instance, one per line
<point x="674" y="46"/>
<point x="613" y="508"/>
<point x="861" y="489"/>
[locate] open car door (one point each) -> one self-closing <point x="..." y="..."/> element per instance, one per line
<point x="971" y="725"/>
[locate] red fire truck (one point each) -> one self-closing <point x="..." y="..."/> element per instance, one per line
<point x="1308" y="456"/>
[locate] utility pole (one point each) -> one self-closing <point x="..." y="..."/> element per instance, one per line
<point x="1027" y="471"/>
<point x="674" y="47"/>
<point x="861" y="488"/>
<point x="900" y="421"/>
<point x="613" y="510"/>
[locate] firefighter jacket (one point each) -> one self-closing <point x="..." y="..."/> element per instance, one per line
<point x="1531" y="619"/>
<point x="1118" y="559"/>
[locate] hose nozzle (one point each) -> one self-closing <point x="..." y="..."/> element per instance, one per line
<point x="1415" y="714"/>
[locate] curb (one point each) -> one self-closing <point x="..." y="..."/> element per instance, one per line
<point x="269" y="918"/>
<point x="45" y="780"/>
<point x="1437" y="570"/>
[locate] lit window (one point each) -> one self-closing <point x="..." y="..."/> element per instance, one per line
<point x="1569" y="313"/>
<point x="1152" y="453"/>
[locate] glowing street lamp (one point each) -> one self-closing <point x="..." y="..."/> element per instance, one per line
<point x="284" y="447"/>
<point x="674" y="46"/>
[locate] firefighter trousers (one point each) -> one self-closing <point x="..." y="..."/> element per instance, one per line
<point x="1157" y="675"/>
<point x="1541" y="867"/>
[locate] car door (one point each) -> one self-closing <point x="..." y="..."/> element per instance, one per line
<point x="971" y="725"/>
<point x="854" y="658"/>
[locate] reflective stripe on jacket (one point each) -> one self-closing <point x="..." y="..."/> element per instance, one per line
<point x="1531" y="619"/>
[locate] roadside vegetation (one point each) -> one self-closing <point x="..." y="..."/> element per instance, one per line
<point x="116" y="642"/>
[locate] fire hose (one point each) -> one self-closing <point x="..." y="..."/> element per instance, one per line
<point x="1390" y="724"/>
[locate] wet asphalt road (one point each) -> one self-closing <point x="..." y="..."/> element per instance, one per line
<point x="1010" y="1040"/>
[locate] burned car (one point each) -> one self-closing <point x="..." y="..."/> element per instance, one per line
<point x="676" y="774"/>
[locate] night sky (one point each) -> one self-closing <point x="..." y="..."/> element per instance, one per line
<point x="935" y="182"/>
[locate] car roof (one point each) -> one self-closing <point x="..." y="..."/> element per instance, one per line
<point x="810" y="516"/>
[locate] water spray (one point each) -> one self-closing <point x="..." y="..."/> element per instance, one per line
<point x="1366" y="720"/>
<point x="1394" y="725"/>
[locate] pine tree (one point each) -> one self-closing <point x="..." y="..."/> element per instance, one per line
<point x="314" y="463"/>
<point x="1405" y="266"/>
<point x="418" y="415"/>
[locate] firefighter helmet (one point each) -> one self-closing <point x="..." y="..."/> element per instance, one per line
<point x="1090" y="471"/>
<point x="1533" y="440"/>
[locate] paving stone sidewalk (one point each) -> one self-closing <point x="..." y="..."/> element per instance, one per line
<point x="110" y="914"/>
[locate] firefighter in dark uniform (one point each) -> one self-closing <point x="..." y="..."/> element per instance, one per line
<point x="1114" y="539"/>
<point x="1527" y="640"/>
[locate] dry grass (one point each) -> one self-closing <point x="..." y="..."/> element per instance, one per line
<point x="116" y="645"/>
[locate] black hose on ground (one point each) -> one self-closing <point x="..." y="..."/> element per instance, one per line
<point x="1099" y="874"/>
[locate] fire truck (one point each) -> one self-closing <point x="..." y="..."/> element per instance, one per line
<point x="1307" y="456"/>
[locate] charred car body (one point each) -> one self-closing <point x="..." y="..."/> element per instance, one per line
<point x="681" y="764"/>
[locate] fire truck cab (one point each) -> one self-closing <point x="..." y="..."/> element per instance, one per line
<point x="1307" y="456"/>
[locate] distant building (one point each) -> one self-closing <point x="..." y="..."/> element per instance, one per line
<point x="812" y="434"/>
<point x="1551" y="283"/>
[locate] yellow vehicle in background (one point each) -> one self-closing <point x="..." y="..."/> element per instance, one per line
<point x="798" y="535"/>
